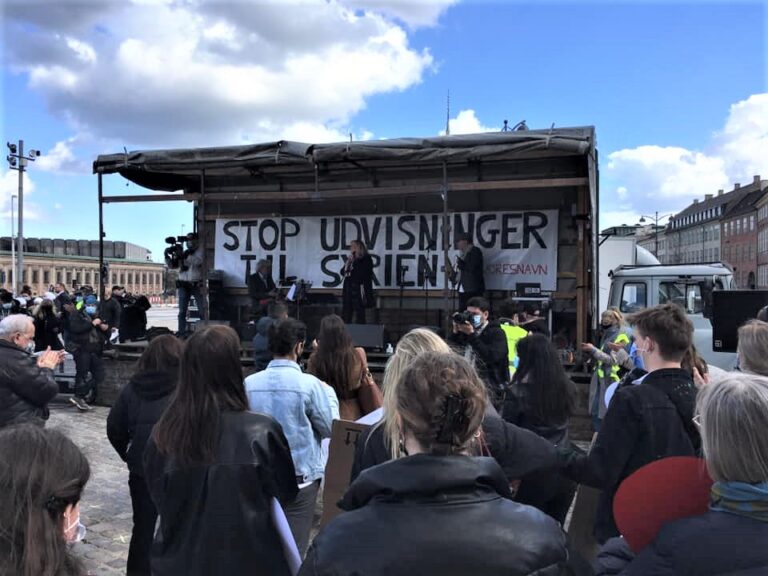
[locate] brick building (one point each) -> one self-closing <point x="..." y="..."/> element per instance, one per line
<point x="48" y="261"/>
<point x="739" y="235"/>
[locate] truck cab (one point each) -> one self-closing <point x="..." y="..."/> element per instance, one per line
<point x="688" y="285"/>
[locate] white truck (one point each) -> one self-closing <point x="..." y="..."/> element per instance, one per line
<point x="634" y="287"/>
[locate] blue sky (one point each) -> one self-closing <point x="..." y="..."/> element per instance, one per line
<point x="676" y="91"/>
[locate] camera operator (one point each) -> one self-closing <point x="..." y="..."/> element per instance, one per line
<point x="485" y="346"/>
<point x="190" y="283"/>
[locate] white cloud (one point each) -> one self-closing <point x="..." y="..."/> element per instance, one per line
<point x="199" y="73"/>
<point x="467" y="122"/>
<point x="669" y="178"/>
<point x="82" y="50"/>
<point x="414" y="13"/>
<point x="61" y="159"/>
<point x="9" y="187"/>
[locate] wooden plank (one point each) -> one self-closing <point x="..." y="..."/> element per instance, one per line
<point x="151" y="198"/>
<point x="247" y="193"/>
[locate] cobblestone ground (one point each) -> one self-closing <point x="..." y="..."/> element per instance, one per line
<point x="106" y="504"/>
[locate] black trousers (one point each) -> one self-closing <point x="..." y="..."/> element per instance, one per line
<point x="86" y="362"/>
<point x="352" y="302"/>
<point x="144" y="518"/>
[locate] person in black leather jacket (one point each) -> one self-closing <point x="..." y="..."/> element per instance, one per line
<point x="213" y="468"/>
<point x="26" y="382"/>
<point x="644" y="422"/>
<point x="129" y="425"/>
<point x="437" y="510"/>
<point x="486" y="344"/>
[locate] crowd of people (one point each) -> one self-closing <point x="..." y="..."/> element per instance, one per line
<point x="76" y="323"/>
<point x="468" y="466"/>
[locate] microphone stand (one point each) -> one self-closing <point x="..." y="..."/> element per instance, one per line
<point x="401" y="270"/>
<point x="430" y="247"/>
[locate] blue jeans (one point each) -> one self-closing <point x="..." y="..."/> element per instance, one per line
<point x="185" y="293"/>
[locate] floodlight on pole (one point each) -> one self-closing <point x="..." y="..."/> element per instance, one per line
<point x="17" y="160"/>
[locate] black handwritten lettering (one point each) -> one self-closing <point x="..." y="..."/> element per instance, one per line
<point x="508" y="231"/>
<point x="486" y="235"/>
<point x="265" y="242"/>
<point x="285" y="224"/>
<point x="235" y="240"/>
<point x="333" y="245"/>
<point x="248" y="259"/>
<point x="329" y="265"/>
<point x="532" y="229"/>
<point x="401" y="225"/>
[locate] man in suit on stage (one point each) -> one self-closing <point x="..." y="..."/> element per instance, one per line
<point x="470" y="281"/>
<point x="261" y="288"/>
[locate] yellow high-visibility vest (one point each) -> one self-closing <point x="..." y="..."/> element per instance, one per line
<point x="621" y="338"/>
<point x="514" y="334"/>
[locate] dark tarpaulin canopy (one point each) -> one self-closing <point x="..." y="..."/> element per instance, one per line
<point x="239" y="166"/>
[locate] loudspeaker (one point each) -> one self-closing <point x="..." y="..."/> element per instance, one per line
<point x="731" y="309"/>
<point x="367" y="335"/>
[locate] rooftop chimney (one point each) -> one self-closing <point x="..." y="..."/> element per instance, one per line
<point x="695" y="200"/>
<point x="736" y="186"/>
<point x="719" y="192"/>
<point x="756" y="179"/>
<point x="707" y="197"/>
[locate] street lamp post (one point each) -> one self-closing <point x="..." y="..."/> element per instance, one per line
<point x="13" y="241"/>
<point x="655" y="219"/>
<point x="18" y="161"/>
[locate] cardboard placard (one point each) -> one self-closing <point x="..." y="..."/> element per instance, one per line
<point x="341" y="455"/>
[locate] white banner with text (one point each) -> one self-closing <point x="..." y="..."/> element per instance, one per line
<point x="517" y="247"/>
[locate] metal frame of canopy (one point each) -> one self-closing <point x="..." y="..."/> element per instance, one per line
<point x="290" y="177"/>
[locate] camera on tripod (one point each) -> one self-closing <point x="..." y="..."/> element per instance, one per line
<point x="174" y="254"/>
<point x="462" y="317"/>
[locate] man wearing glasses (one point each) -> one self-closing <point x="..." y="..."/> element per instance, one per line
<point x="26" y="381"/>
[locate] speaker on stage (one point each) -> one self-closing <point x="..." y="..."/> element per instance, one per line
<point x="367" y="336"/>
<point x="731" y="309"/>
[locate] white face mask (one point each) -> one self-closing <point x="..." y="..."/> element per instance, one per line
<point x="79" y="531"/>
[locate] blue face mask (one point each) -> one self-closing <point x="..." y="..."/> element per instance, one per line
<point x="477" y="320"/>
<point x="90" y="310"/>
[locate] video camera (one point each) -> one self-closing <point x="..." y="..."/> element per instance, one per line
<point x="174" y="254"/>
<point x="462" y="317"/>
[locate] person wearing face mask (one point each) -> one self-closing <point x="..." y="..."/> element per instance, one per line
<point x="607" y="367"/>
<point x="646" y="422"/>
<point x="305" y="408"/>
<point x="485" y="346"/>
<point x="86" y="345"/>
<point x="26" y="382"/>
<point x="42" y="476"/>
<point x="47" y="327"/>
<point x="6" y="303"/>
<point x="190" y="282"/>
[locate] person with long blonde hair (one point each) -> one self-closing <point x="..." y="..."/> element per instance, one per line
<point x="439" y="509"/>
<point x="528" y="461"/>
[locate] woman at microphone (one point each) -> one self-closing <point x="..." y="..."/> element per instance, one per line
<point x="357" y="294"/>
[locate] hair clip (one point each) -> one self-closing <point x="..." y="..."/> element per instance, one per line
<point x="51" y="503"/>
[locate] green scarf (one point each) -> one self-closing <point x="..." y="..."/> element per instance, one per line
<point x="750" y="500"/>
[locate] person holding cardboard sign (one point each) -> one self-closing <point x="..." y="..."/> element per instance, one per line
<point x="438" y="510"/>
